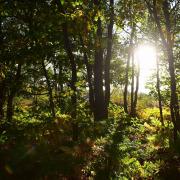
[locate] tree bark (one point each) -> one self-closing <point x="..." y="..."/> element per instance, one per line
<point x="100" y="111"/>
<point x="108" y="57"/>
<point x="99" y="103"/>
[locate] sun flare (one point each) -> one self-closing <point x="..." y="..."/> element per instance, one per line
<point x="145" y="55"/>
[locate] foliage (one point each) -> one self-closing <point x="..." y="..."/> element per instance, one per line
<point x="50" y="88"/>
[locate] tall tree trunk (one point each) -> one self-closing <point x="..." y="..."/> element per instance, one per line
<point x="90" y="83"/>
<point x="68" y="49"/>
<point x="134" y="113"/>
<point x="168" y="45"/>
<point x="127" y="72"/>
<point x="73" y="81"/>
<point x="99" y="100"/>
<point x="10" y="108"/>
<point x="132" y="84"/>
<point x="126" y="83"/>
<point x="12" y="92"/>
<point x="51" y="103"/>
<point x="61" y="102"/>
<point x="174" y="98"/>
<point x="89" y="77"/>
<point x="35" y="97"/>
<point x="99" y="103"/>
<point x="108" y="57"/>
<point x="55" y="82"/>
<point x="158" y="90"/>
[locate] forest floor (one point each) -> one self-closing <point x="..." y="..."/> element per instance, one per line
<point x="121" y="149"/>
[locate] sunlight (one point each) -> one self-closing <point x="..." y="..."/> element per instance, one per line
<point x="145" y="55"/>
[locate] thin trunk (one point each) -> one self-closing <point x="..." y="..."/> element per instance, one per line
<point x="99" y="104"/>
<point x="12" y="92"/>
<point x="51" y="103"/>
<point x="136" y="92"/>
<point x="60" y="90"/>
<point x="126" y="84"/>
<point x="132" y="85"/>
<point x="55" y="81"/>
<point x="127" y="72"/>
<point x="73" y="81"/>
<point x="159" y="91"/>
<point x="89" y="77"/>
<point x="35" y="101"/>
<point x="108" y="57"/>
<point x="68" y="49"/>
<point x="90" y="83"/>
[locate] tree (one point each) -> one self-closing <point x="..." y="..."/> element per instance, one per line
<point x="68" y="49"/>
<point x="158" y="89"/>
<point x="167" y="40"/>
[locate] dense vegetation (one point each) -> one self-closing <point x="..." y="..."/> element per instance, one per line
<point x="70" y="106"/>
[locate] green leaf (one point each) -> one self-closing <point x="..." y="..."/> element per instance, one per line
<point x="62" y="2"/>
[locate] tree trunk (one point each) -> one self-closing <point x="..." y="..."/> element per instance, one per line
<point x="51" y="103"/>
<point x="61" y="102"/>
<point x="68" y="49"/>
<point x="132" y="85"/>
<point x="99" y="103"/>
<point x="73" y="81"/>
<point x="12" y="92"/>
<point x="174" y="98"/>
<point x="159" y="91"/>
<point x="134" y="113"/>
<point x="89" y="77"/>
<point x="168" y="45"/>
<point x="126" y="84"/>
<point x="10" y="108"/>
<point x="108" y="57"/>
<point x="90" y="84"/>
<point x="127" y="72"/>
<point x="55" y="82"/>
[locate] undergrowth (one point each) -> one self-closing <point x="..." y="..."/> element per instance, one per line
<point x="120" y="147"/>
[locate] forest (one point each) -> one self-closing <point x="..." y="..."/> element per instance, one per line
<point x="89" y="89"/>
